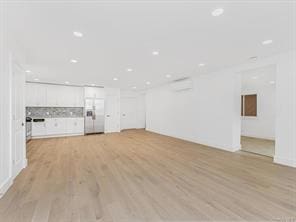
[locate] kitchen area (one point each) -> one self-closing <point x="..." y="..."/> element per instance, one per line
<point x="54" y="110"/>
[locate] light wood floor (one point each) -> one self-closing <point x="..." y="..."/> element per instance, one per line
<point x="259" y="146"/>
<point x="141" y="176"/>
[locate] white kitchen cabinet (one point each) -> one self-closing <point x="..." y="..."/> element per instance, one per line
<point x="39" y="129"/>
<point x="78" y="93"/>
<point x="94" y="92"/>
<point x="55" y="126"/>
<point x="50" y="95"/>
<point x="75" y="126"/>
<point x="58" y="96"/>
<point x="65" y="96"/>
<point x="36" y="94"/>
<point x="58" y="127"/>
<point x="53" y="95"/>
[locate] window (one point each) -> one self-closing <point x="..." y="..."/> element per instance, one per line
<point x="249" y="105"/>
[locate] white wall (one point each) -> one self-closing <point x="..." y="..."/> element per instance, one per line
<point x="285" y="150"/>
<point x="189" y="115"/>
<point x="5" y="145"/>
<point x="10" y="50"/>
<point x="208" y="114"/>
<point x="263" y="125"/>
<point x="285" y="123"/>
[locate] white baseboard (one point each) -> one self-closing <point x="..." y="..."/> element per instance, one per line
<point x="284" y="161"/>
<point x="25" y="163"/>
<point x="8" y="183"/>
<point x="60" y="135"/>
<point x="5" y="186"/>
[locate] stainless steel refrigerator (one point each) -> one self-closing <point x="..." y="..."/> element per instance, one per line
<point x="94" y="118"/>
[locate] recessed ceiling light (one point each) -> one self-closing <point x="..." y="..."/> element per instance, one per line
<point x="253" y="58"/>
<point x="254" y="77"/>
<point x="77" y="34"/>
<point x="134" y="87"/>
<point x="73" y="61"/>
<point x="148" y="83"/>
<point x="217" y="12"/>
<point x="115" y="79"/>
<point x="267" y="42"/>
<point x="155" y="53"/>
<point x="36" y="79"/>
<point x="129" y="69"/>
<point x="28" y="71"/>
<point x="201" y="64"/>
<point x="168" y="76"/>
<point x="67" y="82"/>
<point x="272" y="82"/>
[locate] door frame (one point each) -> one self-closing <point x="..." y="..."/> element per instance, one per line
<point x="122" y="126"/>
<point x="14" y="171"/>
<point x="250" y="92"/>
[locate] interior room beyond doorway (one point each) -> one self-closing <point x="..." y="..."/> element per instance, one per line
<point x="258" y="111"/>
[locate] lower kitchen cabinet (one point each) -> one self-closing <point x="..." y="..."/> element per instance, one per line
<point x="38" y="129"/>
<point x="58" y="127"/>
<point x="75" y="125"/>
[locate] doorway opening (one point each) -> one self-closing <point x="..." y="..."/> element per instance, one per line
<point x="258" y="110"/>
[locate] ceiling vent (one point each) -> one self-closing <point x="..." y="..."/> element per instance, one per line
<point x="181" y="84"/>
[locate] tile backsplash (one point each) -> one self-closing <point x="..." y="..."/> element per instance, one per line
<point x="54" y="112"/>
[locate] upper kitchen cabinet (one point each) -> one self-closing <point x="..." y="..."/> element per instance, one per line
<point x="50" y="95"/>
<point x="36" y="94"/>
<point x="54" y="95"/>
<point x="79" y="96"/>
<point x="94" y="92"/>
<point x="65" y="96"/>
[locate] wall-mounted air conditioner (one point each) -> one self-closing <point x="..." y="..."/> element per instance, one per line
<point x="181" y="84"/>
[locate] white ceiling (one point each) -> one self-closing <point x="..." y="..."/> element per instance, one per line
<point x="121" y="35"/>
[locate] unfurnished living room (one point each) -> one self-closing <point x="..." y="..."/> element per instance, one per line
<point x="147" y="111"/>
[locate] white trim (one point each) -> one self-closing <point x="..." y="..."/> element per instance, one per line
<point x="5" y="186"/>
<point x="60" y="135"/>
<point x="10" y="117"/>
<point x="25" y="163"/>
<point x="284" y="161"/>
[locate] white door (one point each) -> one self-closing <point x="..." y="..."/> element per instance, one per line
<point x="112" y="114"/>
<point x="128" y="107"/>
<point x="18" y="120"/>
